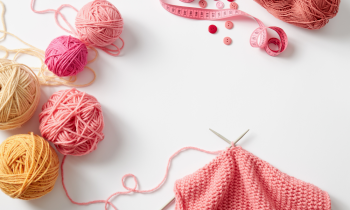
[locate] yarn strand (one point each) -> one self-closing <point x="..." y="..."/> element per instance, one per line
<point x="80" y="21"/>
<point x="57" y="12"/>
<point x="134" y="189"/>
<point x="77" y="203"/>
<point x="45" y="76"/>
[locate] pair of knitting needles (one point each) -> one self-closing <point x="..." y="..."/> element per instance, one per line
<point x="223" y="138"/>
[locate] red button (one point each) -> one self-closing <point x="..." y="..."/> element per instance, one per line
<point x="213" y="29"/>
<point x="234" y="5"/>
<point x="230" y="0"/>
<point x="203" y="3"/>
<point x="228" y="24"/>
<point x="227" y="40"/>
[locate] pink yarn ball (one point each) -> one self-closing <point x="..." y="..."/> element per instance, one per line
<point x="99" y="23"/>
<point x="72" y="120"/>
<point x="66" y="56"/>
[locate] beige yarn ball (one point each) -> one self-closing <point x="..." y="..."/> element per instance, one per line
<point x="19" y="94"/>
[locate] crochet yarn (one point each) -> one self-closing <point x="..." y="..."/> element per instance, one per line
<point x="72" y="120"/>
<point x="310" y="14"/>
<point x="28" y="166"/>
<point x="99" y="23"/>
<point x="236" y="179"/>
<point x="19" y="94"/>
<point x="66" y="56"/>
<point x="45" y="76"/>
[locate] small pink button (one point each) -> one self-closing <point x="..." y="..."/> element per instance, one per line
<point x="220" y="5"/>
<point x="234" y="5"/>
<point x="227" y="40"/>
<point x="228" y="24"/>
<point x="203" y="3"/>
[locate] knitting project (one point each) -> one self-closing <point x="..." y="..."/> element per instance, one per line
<point x="236" y="179"/>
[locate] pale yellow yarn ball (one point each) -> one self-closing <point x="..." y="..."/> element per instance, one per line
<point x="28" y="166"/>
<point x="19" y="94"/>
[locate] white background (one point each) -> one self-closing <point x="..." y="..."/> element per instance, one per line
<point x="174" y="80"/>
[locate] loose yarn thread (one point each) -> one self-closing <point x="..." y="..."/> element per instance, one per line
<point x="28" y="166"/>
<point x="309" y="14"/>
<point x="134" y="189"/>
<point x="19" y="94"/>
<point x="72" y="120"/>
<point x="98" y="24"/>
<point x="45" y="76"/>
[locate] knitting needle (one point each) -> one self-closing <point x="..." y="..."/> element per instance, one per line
<point x="220" y="136"/>
<point x="168" y="203"/>
<point x="237" y="140"/>
<point x="223" y="138"/>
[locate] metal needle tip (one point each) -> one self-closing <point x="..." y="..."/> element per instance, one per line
<point x="220" y="136"/>
<point x="225" y="139"/>
<point x="168" y="203"/>
<point x="240" y="137"/>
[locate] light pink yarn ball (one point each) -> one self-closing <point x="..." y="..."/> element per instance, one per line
<point x="66" y="56"/>
<point x="99" y="23"/>
<point x="72" y="120"/>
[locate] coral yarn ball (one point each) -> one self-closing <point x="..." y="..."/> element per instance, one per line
<point x="99" y="23"/>
<point x="28" y="166"/>
<point x="19" y="94"/>
<point x="66" y="56"/>
<point x="310" y="14"/>
<point x="72" y="120"/>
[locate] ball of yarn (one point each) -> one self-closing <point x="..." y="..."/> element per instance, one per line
<point x="19" y="94"/>
<point x="310" y="14"/>
<point x="66" y="56"/>
<point x="99" y="23"/>
<point x="72" y="120"/>
<point x="28" y="166"/>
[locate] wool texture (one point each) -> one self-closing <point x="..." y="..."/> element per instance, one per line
<point x="99" y="23"/>
<point x="45" y="76"/>
<point x="236" y="179"/>
<point x="66" y="56"/>
<point x="19" y="94"/>
<point x="309" y="14"/>
<point x="72" y="120"/>
<point x="28" y="166"/>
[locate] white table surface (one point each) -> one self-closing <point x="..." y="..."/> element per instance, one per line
<point x="174" y="80"/>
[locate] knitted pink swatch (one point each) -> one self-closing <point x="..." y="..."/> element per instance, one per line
<point x="236" y="179"/>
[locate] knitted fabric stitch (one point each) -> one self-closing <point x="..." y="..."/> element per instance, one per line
<point x="237" y="180"/>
